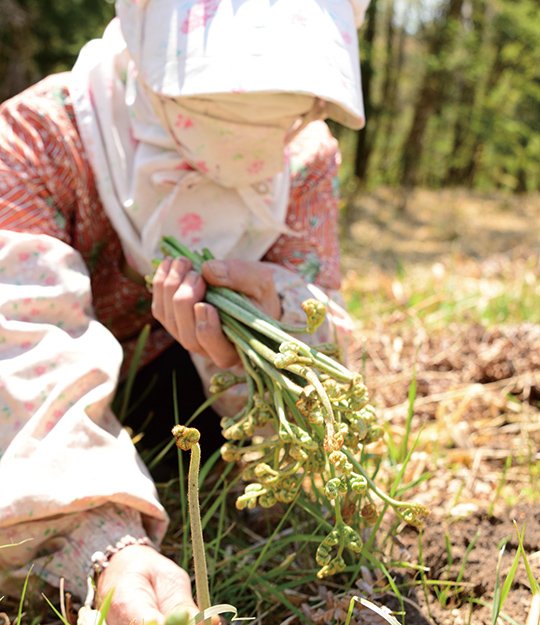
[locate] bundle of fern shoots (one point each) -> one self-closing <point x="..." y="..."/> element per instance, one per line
<point x="320" y="415"/>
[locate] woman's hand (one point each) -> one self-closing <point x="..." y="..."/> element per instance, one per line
<point x="178" y="302"/>
<point x="146" y="587"/>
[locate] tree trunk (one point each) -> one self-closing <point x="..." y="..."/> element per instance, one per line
<point x="469" y="170"/>
<point x="15" y="49"/>
<point x="457" y="172"/>
<point x="364" y="144"/>
<point x="431" y="93"/>
<point x="389" y="74"/>
<point x="390" y="91"/>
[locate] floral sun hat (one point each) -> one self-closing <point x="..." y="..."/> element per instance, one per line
<point x="249" y="46"/>
<point x="185" y="108"/>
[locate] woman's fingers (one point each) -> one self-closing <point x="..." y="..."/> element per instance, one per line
<point x="168" y="277"/>
<point x="173" y="281"/>
<point x="176" y="290"/>
<point x="157" y="289"/>
<point x="211" y="338"/>
<point x="145" y="586"/>
<point x="254" y="279"/>
<point x="178" y="302"/>
<point x="182" y="301"/>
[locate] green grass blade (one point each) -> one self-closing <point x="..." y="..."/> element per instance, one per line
<point x="206" y="404"/>
<point x="442" y="596"/>
<point x="159" y="456"/>
<point x="410" y="414"/>
<point x="105" y="606"/>
<point x="422" y="570"/>
<point x="217" y="543"/>
<point x="404" y="464"/>
<point x="379" y="565"/>
<point x="217" y="501"/>
<point x="374" y="530"/>
<point x="419" y="480"/>
<point x="507" y="465"/>
<point x="254" y="566"/>
<point x="209" y="465"/>
<point x="448" y="545"/>
<point x="21" y="602"/>
<point x="181" y="483"/>
<point x="509" y="579"/>
<point x="502" y="615"/>
<point x="350" y="611"/>
<point x="272" y="590"/>
<point x="393" y="451"/>
<point x="532" y="581"/>
<point x="132" y="372"/>
<point x="306" y="505"/>
<point x="55" y="610"/>
<point x="497" y="591"/>
<point x="466" y="556"/>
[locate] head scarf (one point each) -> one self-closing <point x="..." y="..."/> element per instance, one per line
<point x="185" y="108"/>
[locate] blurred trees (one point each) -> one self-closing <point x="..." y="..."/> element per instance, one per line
<point x="454" y="95"/>
<point x="452" y="87"/>
<point x="40" y="37"/>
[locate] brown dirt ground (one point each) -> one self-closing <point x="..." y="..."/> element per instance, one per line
<point x="478" y="392"/>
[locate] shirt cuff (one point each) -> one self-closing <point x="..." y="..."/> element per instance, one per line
<point x="74" y="544"/>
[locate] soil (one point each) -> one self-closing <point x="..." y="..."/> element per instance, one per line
<point x="479" y="571"/>
<point x="478" y="392"/>
<point x="384" y="229"/>
<point x="471" y="424"/>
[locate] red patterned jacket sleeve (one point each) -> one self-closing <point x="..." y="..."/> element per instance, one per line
<point x="48" y="187"/>
<point x="42" y="171"/>
<point x="313" y="210"/>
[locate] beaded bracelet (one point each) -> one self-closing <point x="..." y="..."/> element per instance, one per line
<point x="100" y="559"/>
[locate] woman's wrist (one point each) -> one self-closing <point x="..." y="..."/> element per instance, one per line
<point x="100" y="559"/>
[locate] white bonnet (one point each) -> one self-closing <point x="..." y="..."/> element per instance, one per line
<point x="196" y="47"/>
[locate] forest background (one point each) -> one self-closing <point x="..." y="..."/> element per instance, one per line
<point x="451" y="87"/>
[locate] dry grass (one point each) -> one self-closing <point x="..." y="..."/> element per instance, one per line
<point x="449" y="292"/>
<point x="452" y="291"/>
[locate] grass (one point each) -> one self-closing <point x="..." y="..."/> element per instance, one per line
<point x="442" y="294"/>
<point x="262" y="561"/>
<point x="259" y="564"/>
<point x="428" y="308"/>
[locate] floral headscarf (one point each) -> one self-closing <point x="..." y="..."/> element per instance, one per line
<point x="185" y="107"/>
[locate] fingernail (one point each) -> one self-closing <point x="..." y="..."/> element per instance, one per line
<point x="179" y="265"/>
<point x="191" y="278"/>
<point x="218" y="268"/>
<point x="201" y="315"/>
<point x="166" y="264"/>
